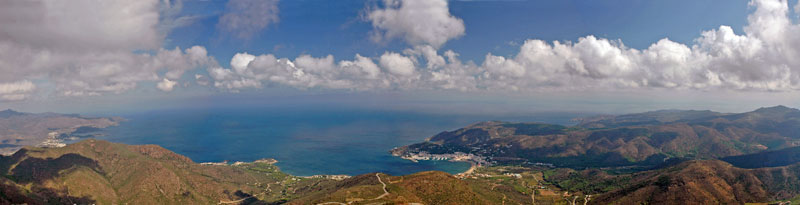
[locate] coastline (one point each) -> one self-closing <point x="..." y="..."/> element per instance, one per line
<point x="473" y="166"/>
<point x="475" y="161"/>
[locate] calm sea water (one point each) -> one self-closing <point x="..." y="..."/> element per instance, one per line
<point x="305" y="142"/>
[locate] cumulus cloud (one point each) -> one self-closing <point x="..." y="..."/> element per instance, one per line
<point x="418" y="22"/>
<point x="763" y="58"/>
<point x="245" y="18"/>
<point x="166" y="85"/>
<point x="86" y="48"/>
<point x="249" y="71"/>
<point x="14" y="91"/>
<point x="397" y="64"/>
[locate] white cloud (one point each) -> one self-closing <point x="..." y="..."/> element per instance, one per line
<point x="81" y="24"/>
<point x="201" y="79"/>
<point x="418" y="22"/>
<point x="250" y="71"/>
<point x="245" y="18"/>
<point x="764" y="58"/>
<point x="86" y="47"/>
<point x="40" y="41"/>
<point x="397" y="64"/>
<point x="14" y="91"/>
<point x="166" y="85"/>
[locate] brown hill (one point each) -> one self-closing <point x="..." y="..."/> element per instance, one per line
<point x="95" y="171"/>
<point x="107" y="173"/>
<point x="706" y="182"/>
<point x="432" y="187"/>
<point x="638" y="139"/>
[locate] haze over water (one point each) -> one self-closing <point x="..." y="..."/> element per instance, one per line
<point x="305" y="142"/>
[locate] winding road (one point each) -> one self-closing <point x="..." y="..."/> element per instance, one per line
<point x="385" y="193"/>
<point x="240" y="200"/>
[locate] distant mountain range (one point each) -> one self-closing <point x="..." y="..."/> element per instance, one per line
<point x="667" y="156"/>
<point x="661" y="157"/>
<point x="644" y="139"/>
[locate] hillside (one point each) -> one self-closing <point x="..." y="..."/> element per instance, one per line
<point x="96" y="171"/>
<point x="18" y="129"/>
<point x="108" y="173"/>
<point x="432" y="187"/>
<point x="774" y="158"/>
<point x="645" y="139"/>
<point x="707" y="182"/>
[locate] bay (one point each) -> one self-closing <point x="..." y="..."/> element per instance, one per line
<point x="304" y="141"/>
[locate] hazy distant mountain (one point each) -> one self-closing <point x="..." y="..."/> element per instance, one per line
<point x="9" y="113"/>
<point x="646" y="118"/>
<point x="19" y="129"/>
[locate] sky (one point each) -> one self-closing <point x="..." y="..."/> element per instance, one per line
<point x="503" y="56"/>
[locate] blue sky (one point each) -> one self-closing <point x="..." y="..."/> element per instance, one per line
<point x="320" y="27"/>
<point x="433" y="55"/>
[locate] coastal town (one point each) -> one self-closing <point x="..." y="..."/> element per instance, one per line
<point x="454" y="157"/>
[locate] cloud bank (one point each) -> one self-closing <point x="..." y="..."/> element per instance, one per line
<point x="764" y="58"/>
<point x="16" y="90"/>
<point x="86" y="47"/>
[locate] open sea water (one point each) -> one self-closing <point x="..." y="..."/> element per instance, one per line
<point x="304" y="141"/>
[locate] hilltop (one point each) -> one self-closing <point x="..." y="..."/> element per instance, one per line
<point x="645" y="139"/>
<point x="707" y="182"/>
<point x="661" y="157"/>
<point x="107" y="173"/>
<point x="96" y="171"/>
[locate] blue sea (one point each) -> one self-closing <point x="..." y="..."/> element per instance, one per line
<point x="304" y="141"/>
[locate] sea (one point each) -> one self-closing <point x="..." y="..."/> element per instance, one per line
<point x="304" y="141"/>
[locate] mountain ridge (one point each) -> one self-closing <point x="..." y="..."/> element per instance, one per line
<point x="633" y="139"/>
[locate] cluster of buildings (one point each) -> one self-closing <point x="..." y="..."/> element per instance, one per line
<point x="237" y="163"/>
<point x="339" y="177"/>
<point x="52" y="141"/>
<point x="455" y="157"/>
<point x="215" y="163"/>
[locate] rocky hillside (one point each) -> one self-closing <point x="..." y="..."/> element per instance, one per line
<point x="707" y="182"/>
<point x="645" y="139"/>
<point x="107" y="173"/>
<point x="100" y="172"/>
<point x="96" y="171"/>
